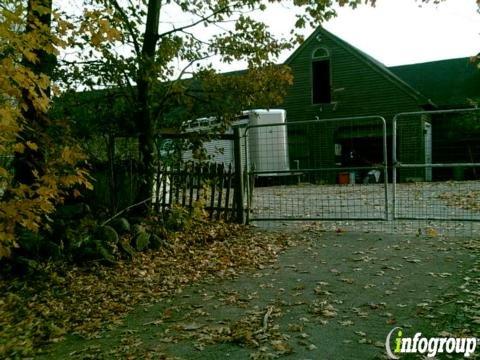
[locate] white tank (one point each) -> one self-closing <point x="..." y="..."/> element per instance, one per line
<point x="268" y="145"/>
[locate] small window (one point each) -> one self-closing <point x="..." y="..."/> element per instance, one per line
<point x="320" y="53"/>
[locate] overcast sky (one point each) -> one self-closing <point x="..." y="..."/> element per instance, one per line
<point x="400" y="32"/>
<point x="395" y="32"/>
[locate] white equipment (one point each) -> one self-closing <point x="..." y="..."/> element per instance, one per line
<point x="267" y="145"/>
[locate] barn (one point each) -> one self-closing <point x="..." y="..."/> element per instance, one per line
<point x="335" y="80"/>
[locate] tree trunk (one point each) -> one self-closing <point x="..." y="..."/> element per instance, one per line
<point x="29" y="162"/>
<point x="144" y="121"/>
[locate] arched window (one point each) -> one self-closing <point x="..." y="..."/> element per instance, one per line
<point x="321" y="77"/>
<point x="320" y="53"/>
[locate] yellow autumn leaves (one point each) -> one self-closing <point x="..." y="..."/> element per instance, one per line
<point x="99" y="28"/>
<point x="23" y="88"/>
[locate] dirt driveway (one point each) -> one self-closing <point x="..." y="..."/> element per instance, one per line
<point x="330" y="296"/>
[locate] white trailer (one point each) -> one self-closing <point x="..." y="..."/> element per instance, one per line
<point x="267" y="145"/>
<point x="216" y="150"/>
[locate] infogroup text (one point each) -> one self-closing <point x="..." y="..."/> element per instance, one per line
<point x="427" y="346"/>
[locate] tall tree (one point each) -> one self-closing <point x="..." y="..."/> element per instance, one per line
<point x="45" y="163"/>
<point x="144" y="121"/>
<point x="30" y="163"/>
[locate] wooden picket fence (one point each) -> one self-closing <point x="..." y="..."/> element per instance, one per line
<point x="189" y="184"/>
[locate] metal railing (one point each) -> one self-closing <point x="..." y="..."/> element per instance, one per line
<point x="431" y="178"/>
<point x="432" y="165"/>
<point x="293" y="175"/>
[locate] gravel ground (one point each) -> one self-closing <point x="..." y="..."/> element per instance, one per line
<point x="362" y="207"/>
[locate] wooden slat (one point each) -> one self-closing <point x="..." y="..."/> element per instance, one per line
<point x="177" y="184"/>
<point x="228" y="183"/>
<point x="212" y="189"/>
<point x="172" y="185"/>
<point x="220" y="173"/>
<point x="186" y="187"/>
<point x="191" y="177"/>
<point x="164" y="179"/>
<point x="157" y="189"/>
<point x="184" y="184"/>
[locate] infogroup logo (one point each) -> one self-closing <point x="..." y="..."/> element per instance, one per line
<point x="428" y="346"/>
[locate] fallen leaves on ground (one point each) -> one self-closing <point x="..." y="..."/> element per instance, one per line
<point x="463" y="200"/>
<point x="465" y="320"/>
<point x="64" y="299"/>
<point x="255" y="329"/>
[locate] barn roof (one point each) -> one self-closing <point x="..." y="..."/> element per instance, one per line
<point x="449" y="83"/>
<point x="369" y="61"/>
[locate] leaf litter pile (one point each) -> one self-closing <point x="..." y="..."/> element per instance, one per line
<point x="63" y="298"/>
<point x="335" y="291"/>
<point x="461" y="200"/>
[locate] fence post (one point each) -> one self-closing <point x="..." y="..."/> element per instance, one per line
<point x="239" y="188"/>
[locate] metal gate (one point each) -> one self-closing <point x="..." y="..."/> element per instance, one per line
<point x="329" y="169"/>
<point x="340" y="170"/>
<point x="436" y="166"/>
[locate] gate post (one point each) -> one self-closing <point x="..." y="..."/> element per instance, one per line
<point x="239" y="188"/>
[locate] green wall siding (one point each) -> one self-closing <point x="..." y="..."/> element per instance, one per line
<point x="358" y="89"/>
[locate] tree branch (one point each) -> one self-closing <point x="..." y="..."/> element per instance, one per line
<point x="195" y="23"/>
<point x="179" y="77"/>
<point x="129" y="26"/>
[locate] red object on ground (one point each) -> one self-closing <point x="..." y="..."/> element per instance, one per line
<point x="344" y="178"/>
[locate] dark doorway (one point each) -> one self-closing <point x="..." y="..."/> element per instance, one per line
<point x="366" y="151"/>
<point x="321" y="89"/>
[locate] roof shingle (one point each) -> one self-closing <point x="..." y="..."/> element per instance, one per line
<point x="449" y="83"/>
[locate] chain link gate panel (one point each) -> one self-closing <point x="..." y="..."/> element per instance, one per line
<point x="436" y="166"/>
<point x="329" y="169"/>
